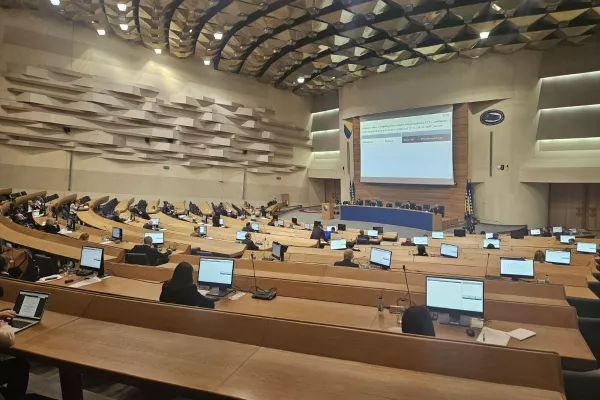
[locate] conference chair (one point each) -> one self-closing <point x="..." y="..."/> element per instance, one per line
<point x="595" y="287"/>
<point x="413" y="205"/>
<point x="419" y="208"/>
<point x="426" y="207"/>
<point x="586" y="308"/>
<point x="379" y="203"/>
<point x="441" y="210"/>
<point x="585" y="385"/>
<point x="136" y="258"/>
<point x="398" y="204"/>
<point x="360" y="203"/>
<point x="346" y="203"/>
<point x="389" y="205"/>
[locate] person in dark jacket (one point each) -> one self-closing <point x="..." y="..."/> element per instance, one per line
<point x="408" y="242"/>
<point x="249" y="243"/>
<point x="154" y="256"/>
<point x="421" y="251"/>
<point x="347" y="261"/>
<point x="182" y="290"/>
<point x="546" y="232"/>
<point x="51" y="226"/>
<point x="416" y="320"/>
<point x="215" y="219"/>
<point x="318" y="232"/>
<point x="263" y="211"/>
<point x="248" y="227"/>
<point x="273" y="221"/>
<point x="362" y="238"/>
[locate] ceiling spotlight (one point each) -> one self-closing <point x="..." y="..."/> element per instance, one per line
<point x="101" y="32"/>
<point x="191" y="30"/>
<point x="158" y="51"/>
<point x="218" y="35"/>
<point x="301" y="79"/>
<point x="484" y="35"/>
<point x="206" y="61"/>
<point x="496" y="7"/>
<point x="55" y="2"/>
<point x="124" y="27"/>
<point x="122" y="6"/>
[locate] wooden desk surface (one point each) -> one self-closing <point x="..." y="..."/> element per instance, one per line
<point x="569" y="343"/>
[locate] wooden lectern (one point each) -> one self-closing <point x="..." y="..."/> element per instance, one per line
<point x="326" y="211"/>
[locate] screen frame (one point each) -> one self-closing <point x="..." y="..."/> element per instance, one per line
<point x="448" y="244"/>
<point x="100" y="270"/>
<point x="338" y="240"/>
<point x="556" y="263"/>
<point x="151" y="234"/>
<point x="532" y="276"/>
<point x="475" y="314"/>
<point x="585" y="252"/>
<point x="378" y="264"/>
<point x="23" y="293"/>
<point x="213" y="284"/>
<point x="437" y="232"/>
<point x="538" y="233"/>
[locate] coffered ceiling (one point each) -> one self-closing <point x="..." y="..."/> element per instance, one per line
<point x="316" y="46"/>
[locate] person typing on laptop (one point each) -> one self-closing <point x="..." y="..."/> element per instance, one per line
<point x="14" y="372"/>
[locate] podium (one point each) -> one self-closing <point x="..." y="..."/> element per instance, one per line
<point x="326" y="211"/>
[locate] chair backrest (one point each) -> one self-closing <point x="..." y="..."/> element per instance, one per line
<point x="426" y="207"/>
<point x="412" y="205"/>
<point x="361" y="203"/>
<point x="589" y="328"/>
<point x="389" y="205"/>
<point x="45" y="265"/>
<point x="137" y="258"/>
<point x="379" y="203"/>
<point x="398" y="204"/>
<point x="586" y="308"/>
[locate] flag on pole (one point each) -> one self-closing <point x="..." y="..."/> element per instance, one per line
<point x="469" y="209"/>
<point x="352" y="190"/>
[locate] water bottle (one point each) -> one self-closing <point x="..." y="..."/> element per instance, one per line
<point x="547" y="279"/>
<point x="380" y="306"/>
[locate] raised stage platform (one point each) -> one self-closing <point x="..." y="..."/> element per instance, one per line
<point x="397" y="216"/>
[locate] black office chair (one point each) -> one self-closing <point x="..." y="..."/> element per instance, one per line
<point x="426" y="207"/>
<point x="379" y="203"/>
<point x="389" y="205"/>
<point x="419" y="208"/>
<point x="586" y="308"/>
<point x="360" y="203"/>
<point x="585" y="385"/>
<point x="136" y="258"/>
<point x="413" y="205"/>
<point x="398" y="204"/>
<point x="441" y="210"/>
<point x="595" y="287"/>
<point x="346" y="203"/>
<point x="341" y="227"/>
<point x="45" y="265"/>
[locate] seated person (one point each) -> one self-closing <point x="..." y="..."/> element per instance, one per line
<point x="347" y="261"/>
<point x="249" y="243"/>
<point x="5" y="265"/>
<point x="495" y="236"/>
<point x="14" y="372"/>
<point x="318" y="233"/>
<point x="408" y="242"/>
<point x="263" y="211"/>
<point x="215" y="219"/>
<point x="51" y="226"/>
<point x="491" y="246"/>
<point x="416" y="320"/>
<point x="546" y="232"/>
<point x="539" y="256"/>
<point x="84" y="236"/>
<point x="248" y="227"/>
<point x="362" y="238"/>
<point x="196" y="232"/>
<point x="273" y="221"/>
<point x="154" y="256"/>
<point x="571" y="241"/>
<point x="421" y="251"/>
<point x="182" y="290"/>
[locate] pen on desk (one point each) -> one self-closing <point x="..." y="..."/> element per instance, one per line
<point x="484" y="338"/>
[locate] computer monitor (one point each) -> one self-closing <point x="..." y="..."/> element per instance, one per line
<point x="372" y="233"/>
<point x="516" y="268"/>
<point x="307" y="227"/>
<point x="255" y="227"/>
<point x="216" y="273"/>
<point x="437" y="235"/>
<point x="240" y="235"/>
<point x="456" y="299"/>
<point x="295" y="221"/>
<point x="587" y="248"/>
<point x="423" y="240"/>
<point x="92" y="259"/>
<point x="331" y="229"/>
<point x="221" y="222"/>
<point x="460" y="233"/>
<point x="155" y="221"/>
<point x="562" y="257"/>
<point x="495" y="242"/>
<point x="203" y="230"/>
<point x="117" y="233"/>
<point x="157" y="237"/>
<point x="277" y="251"/>
<point x="381" y="258"/>
<point x="572" y="231"/>
<point x="338" y="244"/>
<point x="204" y="219"/>
<point x="564" y="239"/>
<point x="341" y="227"/>
<point x="489" y="235"/>
<point x="280" y="222"/>
<point x="253" y="217"/>
<point x="379" y="229"/>
<point x="557" y="229"/>
<point x="535" y="232"/>
<point x="449" y="250"/>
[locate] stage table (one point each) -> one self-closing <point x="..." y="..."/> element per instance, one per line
<point x="393" y="216"/>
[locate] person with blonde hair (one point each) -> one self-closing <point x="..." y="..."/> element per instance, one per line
<point x="539" y="256"/>
<point x="51" y="226"/>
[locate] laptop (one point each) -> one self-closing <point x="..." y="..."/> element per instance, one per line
<point x="29" y="307"/>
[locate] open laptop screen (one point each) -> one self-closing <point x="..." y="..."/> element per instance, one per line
<point x="31" y="304"/>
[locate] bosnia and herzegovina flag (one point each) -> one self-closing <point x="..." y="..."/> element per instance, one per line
<point x="348" y="129"/>
<point x="469" y="208"/>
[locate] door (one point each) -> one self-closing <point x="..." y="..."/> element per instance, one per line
<point x="593" y="207"/>
<point x="567" y="203"/>
<point x="332" y="190"/>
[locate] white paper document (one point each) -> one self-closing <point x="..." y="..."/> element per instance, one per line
<point x="493" y="336"/>
<point x="86" y="282"/>
<point x="236" y="296"/>
<point x="521" y="334"/>
<point x="29" y="306"/>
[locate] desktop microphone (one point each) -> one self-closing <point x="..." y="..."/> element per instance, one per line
<point x="410" y="303"/>
<point x="260" y="293"/>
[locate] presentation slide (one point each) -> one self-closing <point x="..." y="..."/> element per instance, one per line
<point x="410" y="146"/>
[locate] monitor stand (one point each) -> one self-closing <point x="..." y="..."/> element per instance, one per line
<point x="454" y="319"/>
<point x="219" y="291"/>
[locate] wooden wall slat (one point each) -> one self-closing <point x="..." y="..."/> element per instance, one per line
<point x="452" y="197"/>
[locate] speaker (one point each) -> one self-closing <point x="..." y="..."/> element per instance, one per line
<point x="460" y="233"/>
<point x="517" y="235"/>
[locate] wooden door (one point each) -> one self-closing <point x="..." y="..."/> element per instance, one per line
<point x="567" y="202"/>
<point x="593" y="207"/>
<point x="332" y="190"/>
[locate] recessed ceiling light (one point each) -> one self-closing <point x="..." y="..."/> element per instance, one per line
<point x="124" y="27"/>
<point x="206" y="61"/>
<point x="191" y="30"/>
<point x="218" y="35"/>
<point x="301" y="79"/>
<point x="122" y="6"/>
<point x="101" y="32"/>
<point x="484" y="35"/>
<point x="157" y="51"/>
<point x="55" y="2"/>
<point x="496" y="7"/>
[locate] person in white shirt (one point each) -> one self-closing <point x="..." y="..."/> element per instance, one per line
<point x="14" y="372"/>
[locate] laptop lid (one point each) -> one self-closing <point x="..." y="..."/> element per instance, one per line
<point x="31" y="305"/>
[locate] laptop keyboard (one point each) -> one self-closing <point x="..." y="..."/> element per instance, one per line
<point x="19" y="324"/>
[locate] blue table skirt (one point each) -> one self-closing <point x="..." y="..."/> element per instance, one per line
<point x="393" y="216"/>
